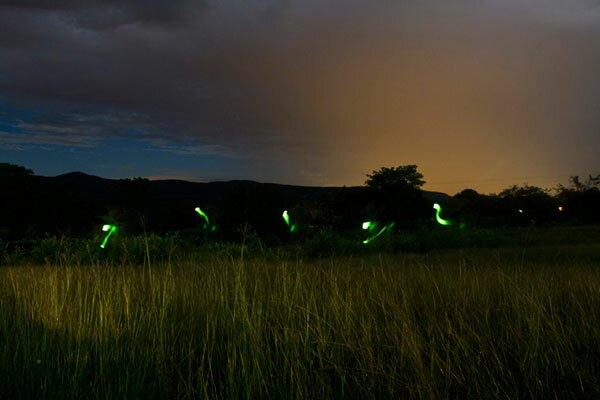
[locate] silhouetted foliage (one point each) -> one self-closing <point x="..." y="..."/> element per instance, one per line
<point x="402" y="177"/>
<point x="12" y="171"/>
<point x="78" y="205"/>
<point x="396" y="195"/>
<point x="135" y="205"/>
<point x="581" y="200"/>
<point x="257" y="204"/>
<point x="346" y="208"/>
<point x="527" y="205"/>
<point x="474" y="209"/>
<point x="16" y="201"/>
<point x="577" y="185"/>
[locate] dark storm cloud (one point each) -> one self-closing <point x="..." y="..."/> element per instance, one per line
<point x="332" y="88"/>
<point x="110" y="14"/>
<point x="172" y="79"/>
<point x="75" y="130"/>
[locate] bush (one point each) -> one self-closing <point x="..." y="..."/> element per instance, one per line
<point x="328" y="243"/>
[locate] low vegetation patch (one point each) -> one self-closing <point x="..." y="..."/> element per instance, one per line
<point x="515" y="322"/>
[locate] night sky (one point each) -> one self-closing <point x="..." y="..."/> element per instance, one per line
<point x="479" y="94"/>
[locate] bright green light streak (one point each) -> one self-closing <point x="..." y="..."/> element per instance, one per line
<point x="440" y="220"/>
<point x="286" y="218"/>
<point x="385" y="228"/>
<point x="110" y="229"/>
<point x="202" y="214"/>
<point x="369" y="225"/>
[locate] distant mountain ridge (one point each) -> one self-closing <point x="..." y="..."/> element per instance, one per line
<point x="171" y="189"/>
<point x="77" y="204"/>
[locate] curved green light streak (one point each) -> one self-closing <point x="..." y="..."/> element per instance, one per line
<point x="286" y="218"/>
<point x="110" y="229"/>
<point x="440" y="220"/>
<point x="385" y="228"/>
<point x="202" y="214"/>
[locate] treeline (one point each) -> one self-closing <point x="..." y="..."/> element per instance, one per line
<point x="79" y="205"/>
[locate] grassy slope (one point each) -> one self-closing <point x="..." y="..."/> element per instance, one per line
<point x="488" y="323"/>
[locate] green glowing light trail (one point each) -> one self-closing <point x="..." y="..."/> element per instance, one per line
<point x="286" y="218"/>
<point x="385" y="228"/>
<point x="202" y="214"/>
<point x="440" y="220"/>
<point x="110" y="229"/>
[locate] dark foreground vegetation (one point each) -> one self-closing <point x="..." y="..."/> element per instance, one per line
<point x="519" y="322"/>
<point x="78" y="205"/>
<point x="151" y="249"/>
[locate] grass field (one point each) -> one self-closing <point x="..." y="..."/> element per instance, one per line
<point x="514" y="323"/>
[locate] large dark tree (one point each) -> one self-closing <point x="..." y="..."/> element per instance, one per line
<point x="396" y="195"/>
<point x="404" y="177"/>
<point x="17" y="200"/>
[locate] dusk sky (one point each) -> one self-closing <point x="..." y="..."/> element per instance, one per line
<point x="479" y="94"/>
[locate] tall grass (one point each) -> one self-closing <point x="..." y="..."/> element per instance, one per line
<point x="463" y="324"/>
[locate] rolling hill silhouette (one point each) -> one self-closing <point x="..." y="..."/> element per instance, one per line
<point x="97" y="189"/>
<point x="77" y="204"/>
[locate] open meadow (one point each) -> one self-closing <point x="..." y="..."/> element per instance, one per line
<point x="299" y="200"/>
<point x="511" y="322"/>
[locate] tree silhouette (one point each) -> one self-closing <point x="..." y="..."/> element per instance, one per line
<point x="527" y="204"/>
<point x="580" y="201"/>
<point x="396" y="195"/>
<point x="475" y="209"/>
<point x="576" y="184"/>
<point x="17" y="201"/>
<point x="14" y="172"/>
<point x="402" y="177"/>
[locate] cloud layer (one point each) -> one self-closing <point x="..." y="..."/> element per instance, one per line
<point x="322" y="92"/>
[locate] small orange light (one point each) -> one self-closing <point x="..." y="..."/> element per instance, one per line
<point x="560" y="208"/>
